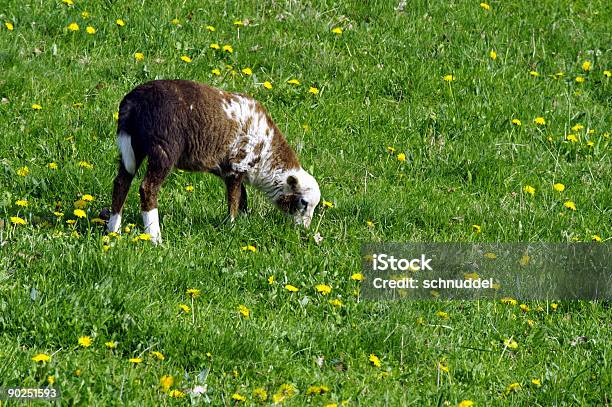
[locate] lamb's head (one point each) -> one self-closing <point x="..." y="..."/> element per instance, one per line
<point x="300" y="196"/>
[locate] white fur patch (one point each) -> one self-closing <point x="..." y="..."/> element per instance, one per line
<point x="114" y="223"/>
<point x="150" y="220"/>
<point x="244" y="110"/>
<point x="309" y="190"/>
<point x="124" y="142"/>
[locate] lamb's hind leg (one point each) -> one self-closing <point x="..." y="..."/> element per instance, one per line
<point x="236" y="195"/>
<point x="158" y="169"/>
<point x="121" y="187"/>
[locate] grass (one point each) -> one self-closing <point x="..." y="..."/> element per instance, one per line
<point x="380" y="85"/>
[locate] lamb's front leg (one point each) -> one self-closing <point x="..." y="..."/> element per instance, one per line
<point x="156" y="173"/>
<point x="236" y="195"/>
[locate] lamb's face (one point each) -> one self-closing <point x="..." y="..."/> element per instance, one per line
<point x="300" y="197"/>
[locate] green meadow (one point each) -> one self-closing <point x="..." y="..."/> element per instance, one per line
<point x="423" y="122"/>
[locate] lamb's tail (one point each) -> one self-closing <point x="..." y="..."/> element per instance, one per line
<point x="128" y="158"/>
<point x="124" y="139"/>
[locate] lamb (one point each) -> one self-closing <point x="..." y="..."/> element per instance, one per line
<point x="195" y="127"/>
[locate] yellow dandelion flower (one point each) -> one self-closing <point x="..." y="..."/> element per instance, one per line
<point x="570" y="205"/>
<point x="210" y="28"/>
<point x="540" y="121"/>
<point x="68" y="2"/>
<point x="291" y="288"/>
<point x="79" y="213"/>
<point x="214" y="46"/>
<point x="449" y="78"/>
<point x="323" y="289"/>
<point x="216" y="72"/>
<point x="476" y="228"/>
<point x="80" y="204"/>
<point x="401" y="157"/>
<point x="111" y="344"/>
<point x="485" y="6"/>
<point x="607" y="74"/>
<point x="158" y="355"/>
<point x="193" y="292"/>
<point x="22" y="202"/>
<point x="85" y="14"/>
<point x="580" y="79"/>
<point x="513" y="387"/>
<point x="244" y="311"/>
<point x="90" y="30"/>
<point x="260" y="394"/>
<point x="511" y="343"/>
<point x="70" y="221"/>
<point x="85" y="341"/>
<point x="248" y="248"/>
<point x="572" y="137"/>
<point x="73" y="27"/>
<point x="239" y="22"/>
<point x="165" y="382"/>
<point x="554" y="306"/>
<point x="559" y="187"/>
<point x="135" y="360"/>
<point x="536" y="382"/>
<point x="313" y="90"/>
<point x="175" y="21"/>
<point x="375" y="360"/>
<point x="357" y="277"/>
<point x="52" y="166"/>
<point x="267" y="85"/>
<point x="535" y="74"/>
<point x="524" y="307"/>
<point x="293" y="82"/>
<point x="390" y="150"/>
<point x="228" y="48"/>
<point x="87" y="198"/>
<point x="189" y="188"/>
<point x="41" y="357"/>
<point x="335" y="302"/>
<point x="36" y="106"/>
<point x="184" y="307"/>
<point x="139" y="56"/>
<point x="51" y="380"/>
<point x="85" y="164"/>
<point x="316" y="390"/>
<point x="590" y="143"/>
<point x="493" y="55"/>
<point x="120" y="22"/>
<point x="465" y="403"/>
<point x="185" y="58"/>
<point x="586" y="66"/>
<point x="516" y="122"/>
<point x="271" y="280"/>
<point x="16" y="220"/>
<point x="238" y="397"/>
<point x="596" y="238"/>
<point x="9" y="26"/>
<point x="508" y="301"/>
<point x="442" y="314"/>
<point x="443" y="366"/>
<point x="327" y="204"/>
<point x="337" y="30"/>
<point x="577" y="127"/>
<point x="177" y="394"/>
<point x="369" y="223"/>
<point x="528" y="189"/>
<point x="247" y="71"/>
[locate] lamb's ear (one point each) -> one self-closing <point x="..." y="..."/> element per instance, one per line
<point x="292" y="182"/>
